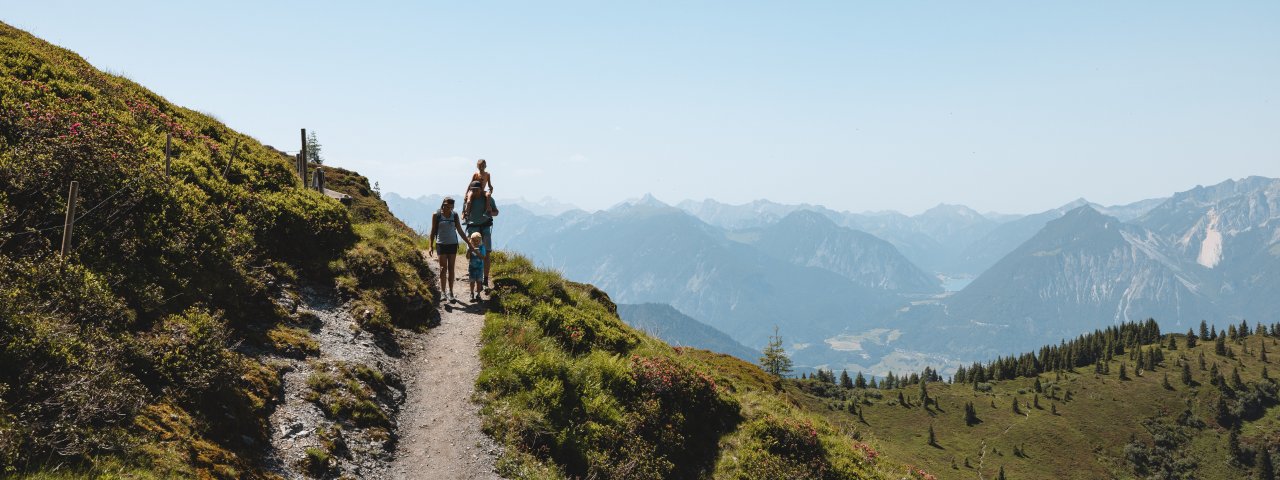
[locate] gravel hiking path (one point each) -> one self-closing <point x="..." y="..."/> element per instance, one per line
<point x="439" y="424"/>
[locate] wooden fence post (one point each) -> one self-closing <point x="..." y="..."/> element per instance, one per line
<point x="70" y="221"/>
<point x="319" y="183"/>
<point x="168" y="142"/>
<point x="301" y="165"/>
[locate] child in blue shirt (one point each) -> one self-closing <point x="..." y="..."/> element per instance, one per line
<point x="475" y="266"/>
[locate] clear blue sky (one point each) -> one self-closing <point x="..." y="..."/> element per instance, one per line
<point x="1010" y="106"/>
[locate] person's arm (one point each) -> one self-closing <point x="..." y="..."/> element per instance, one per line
<point x="435" y="223"/>
<point x="488" y="179"/>
<point x="457" y="225"/>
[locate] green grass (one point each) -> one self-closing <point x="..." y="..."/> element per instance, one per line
<point x="1085" y="439"/>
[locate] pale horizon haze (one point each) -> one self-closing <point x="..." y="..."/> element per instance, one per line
<point x="1013" y="107"/>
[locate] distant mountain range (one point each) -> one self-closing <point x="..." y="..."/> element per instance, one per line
<point x="862" y="290"/>
<point x="667" y="323"/>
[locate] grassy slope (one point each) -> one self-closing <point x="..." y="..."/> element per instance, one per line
<point x="572" y="391"/>
<point x="1087" y="437"/>
<point x="121" y="358"/>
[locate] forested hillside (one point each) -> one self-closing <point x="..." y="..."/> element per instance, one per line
<point x="146" y="349"/>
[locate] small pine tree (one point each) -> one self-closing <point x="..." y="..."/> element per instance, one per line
<point x="1053" y="408"/>
<point x="1016" y="408"/>
<point x="860" y="381"/>
<point x="1191" y="339"/>
<point x="845" y="381"/>
<point x="313" y="149"/>
<point x="1186" y="374"/>
<point x="970" y="414"/>
<point x="1165" y="382"/>
<point x="775" y="360"/>
<point x="1266" y="470"/>
<point x="1000" y="476"/>
<point x="901" y="401"/>
<point x="1173" y="343"/>
<point x="933" y="440"/>
<point x="1038" y="387"/>
<point x="924" y="395"/>
<point x="1233" y="444"/>
<point x="1036" y="401"/>
<point x="1123" y="376"/>
<point x="1265" y="375"/>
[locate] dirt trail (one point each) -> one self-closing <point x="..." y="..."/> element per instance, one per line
<point x="439" y="424"/>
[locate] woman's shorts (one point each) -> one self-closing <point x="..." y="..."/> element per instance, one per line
<point x="447" y="248"/>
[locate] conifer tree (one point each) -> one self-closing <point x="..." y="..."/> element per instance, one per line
<point x="924" y="395"/>
<point x="1016" y="408"/>
<point x="1233" y="444"/>
<point x="1122" y="373"/>
<point x="1053" y="408"/>
<point x="1204" y="330"/>
<point x="1202" y="360"/>
<point x="901" y="401"/>
<point x="970" y="414"/>
<point x="1173" y="343"/>
<point x="1191" y="339"/>
<point x="313" y="149"/>
<point x="860" y="381"/>
<point x="1186" y="374"/>
<point x="1236" y="383"/>
<point x="1036" y="401"/>
<point x="1265" y="375"/>
<point x="845" y="381"/>
<point x="1165" y="382"/>
<point x="1266" y="470"/>
<point x="933" y="440"/>
<point x="1000" y="476"/>
<point x="775" y="360"/>
<point x="1039" y="388"/>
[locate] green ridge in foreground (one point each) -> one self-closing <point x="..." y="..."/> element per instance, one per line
<point x="141" y="353"/>
<point x="573" y="392"/>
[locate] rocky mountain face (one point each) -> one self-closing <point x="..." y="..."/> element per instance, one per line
<point x="1210" y="253"/>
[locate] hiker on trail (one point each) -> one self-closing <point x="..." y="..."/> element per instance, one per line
<point x="479" y="211"/>
<point x="476" y="257"/>
<point x="481" y="176"/>
<point x="446" y="230"/>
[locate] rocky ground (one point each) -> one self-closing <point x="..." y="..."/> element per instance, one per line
<point x="429" y="380"/>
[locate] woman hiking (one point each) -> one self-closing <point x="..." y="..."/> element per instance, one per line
<point x="446" y="232"/>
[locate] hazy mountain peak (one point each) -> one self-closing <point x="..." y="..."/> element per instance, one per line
<point x="952" y="210"/>
<point x="1074" y="204"/>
